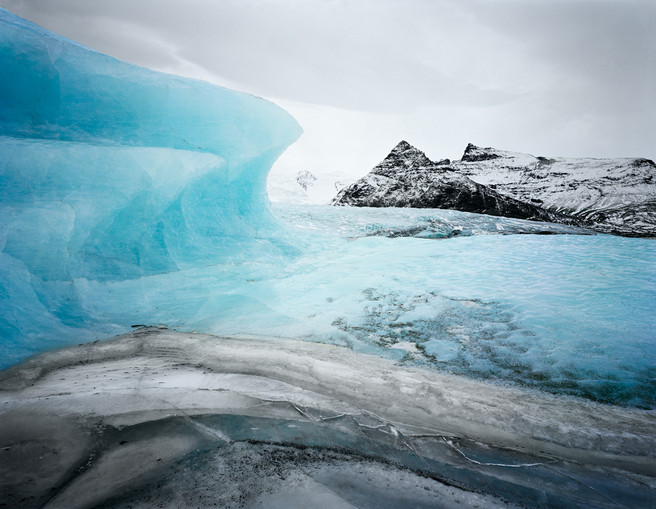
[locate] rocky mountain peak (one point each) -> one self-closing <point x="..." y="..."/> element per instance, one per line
<point x="474" y="154"/>
<point x="404" y="157"/>
<point x="305" y="179"/>
<point x="407" y="151"/>
<point x="402" y="146"/>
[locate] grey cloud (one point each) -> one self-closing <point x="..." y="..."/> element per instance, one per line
<point x="601" y="54"/>
<point x="355" y="55"/>
<point x="574" y="74"/>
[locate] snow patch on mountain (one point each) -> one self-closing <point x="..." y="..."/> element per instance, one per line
<point x="306" y="187"/>
<point x="613" y="195"/>
<point x="609" y="195"/>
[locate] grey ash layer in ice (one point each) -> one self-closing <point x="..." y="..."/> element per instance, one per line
<point x="608" y="195"/>
<point x="163" y="419"/>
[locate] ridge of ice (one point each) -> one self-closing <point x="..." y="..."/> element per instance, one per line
<point x="111" y="172"/>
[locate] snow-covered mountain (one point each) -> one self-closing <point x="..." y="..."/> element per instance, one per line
<point x="305" y="187"/>
<point x="612" y="195"/>
<point x="609" y="195"/>
<point x="408" y="178"/>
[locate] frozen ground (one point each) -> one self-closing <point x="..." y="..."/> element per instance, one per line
<point x="158" y="418"/>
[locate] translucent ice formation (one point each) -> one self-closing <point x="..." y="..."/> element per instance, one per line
<point x="110" y="172"/>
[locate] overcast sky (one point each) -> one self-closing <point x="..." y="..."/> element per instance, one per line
<point x="547" y="77"/>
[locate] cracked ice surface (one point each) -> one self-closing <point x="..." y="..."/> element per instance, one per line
<point x="155" y="414"/>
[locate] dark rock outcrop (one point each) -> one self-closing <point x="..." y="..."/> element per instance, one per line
<point x="474" y="154"/>
<point x="408" y="178"/>
<point x="608" y="195"/>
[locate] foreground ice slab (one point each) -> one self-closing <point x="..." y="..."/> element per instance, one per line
<point x="186" y="420"/>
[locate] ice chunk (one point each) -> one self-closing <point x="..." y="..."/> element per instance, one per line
<point x="111" y="172"/>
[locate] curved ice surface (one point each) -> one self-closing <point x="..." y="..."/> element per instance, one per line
<point x="187" y="420"/>
<point x="110" y="172"/>
<point x="60" y="90"/>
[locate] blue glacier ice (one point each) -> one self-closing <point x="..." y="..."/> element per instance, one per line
<point x="133" y="197"/>
<point x="570" y="314"/>
<point x="110" y="172"/>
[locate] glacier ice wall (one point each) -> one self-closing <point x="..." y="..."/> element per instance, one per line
<point x="110" y="172"/>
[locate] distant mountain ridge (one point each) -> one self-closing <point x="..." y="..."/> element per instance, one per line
<point x="408" y="178"/>
<point x="306" y="187"/>
<point x="608" y="195"/>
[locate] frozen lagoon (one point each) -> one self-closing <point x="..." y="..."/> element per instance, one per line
<point x="568" y="313"/>
<point x="536" y="304"/>
<point x="420" y="399"/>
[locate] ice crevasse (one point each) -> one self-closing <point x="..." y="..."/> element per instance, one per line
<point x="111" y="173"/>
